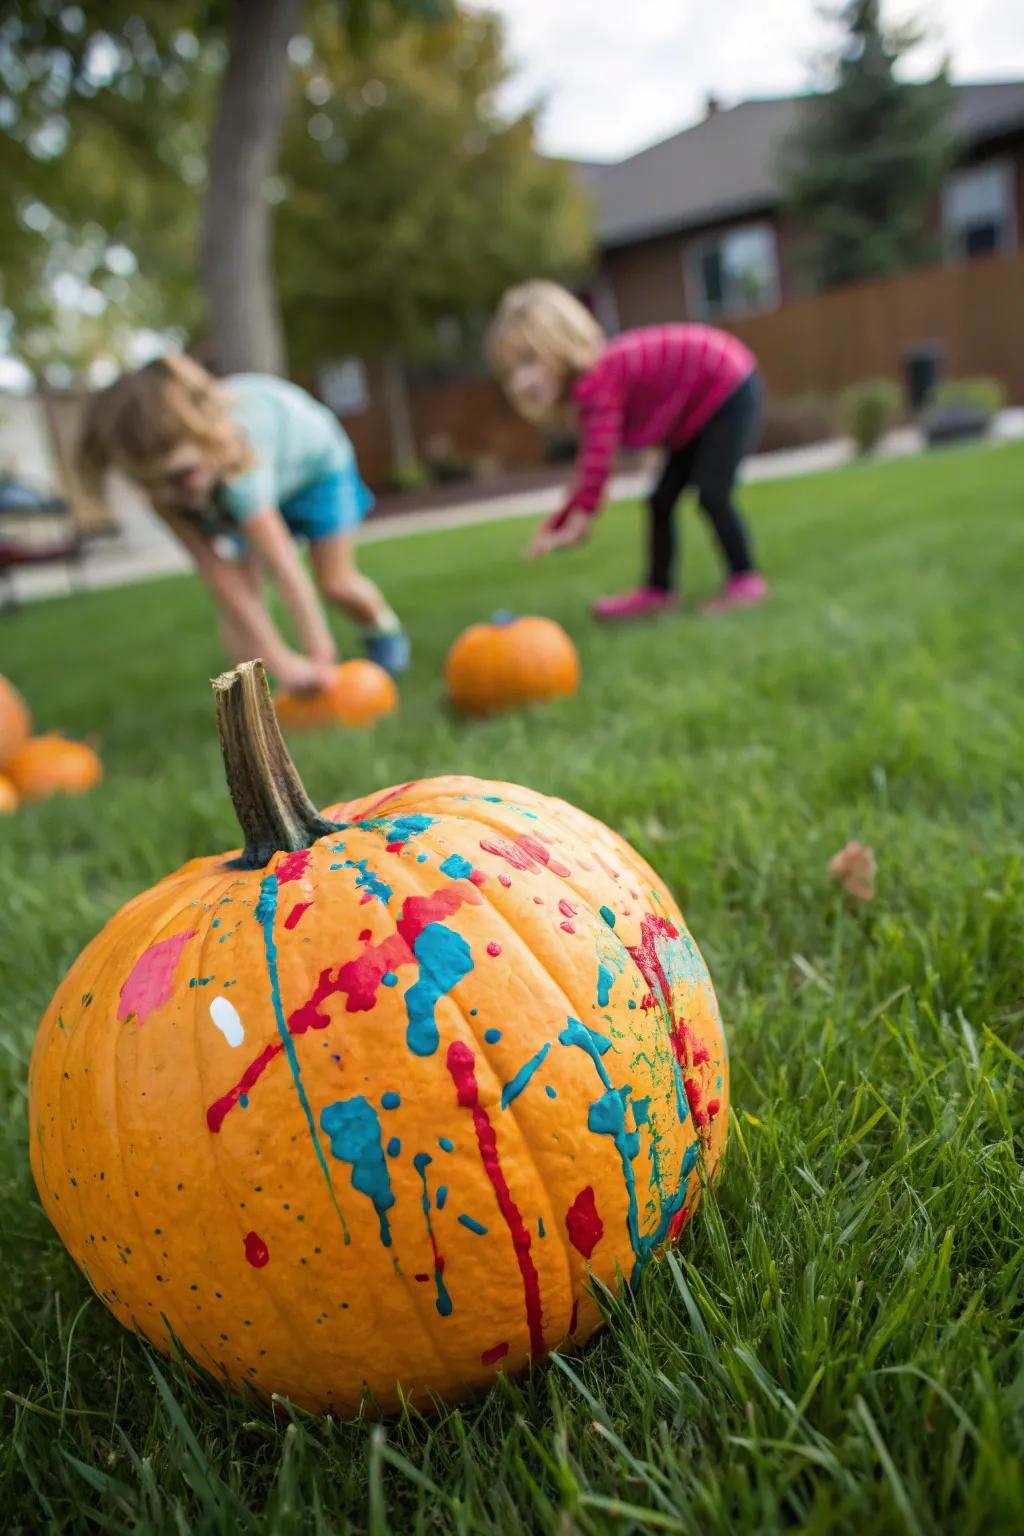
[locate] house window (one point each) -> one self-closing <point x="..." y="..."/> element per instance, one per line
<point x="978" y="214"/>
<point x="735" y="273"/>
<point x="342" y="387"/>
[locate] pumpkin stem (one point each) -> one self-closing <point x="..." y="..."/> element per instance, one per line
<point x="274" y="811"/>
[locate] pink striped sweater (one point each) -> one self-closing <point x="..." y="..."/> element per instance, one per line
<point x="659" y="385"/>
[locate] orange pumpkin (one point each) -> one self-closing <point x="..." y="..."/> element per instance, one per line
<point x="8" y="796"/>
<point x="51" y="765"/>
<point x="360" y="692"/>
<point x="15" y="721"/>
<point x="360" y="1110"/>
<point x="509" y="662"/>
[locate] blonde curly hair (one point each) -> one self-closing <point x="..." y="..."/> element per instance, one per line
<point x="546" y="319"/>
<point x="146" y="414"/>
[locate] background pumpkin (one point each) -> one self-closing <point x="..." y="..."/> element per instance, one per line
<point x="509" y="662"/>
<point x="50" y="765"/>
<point x="386" y="1087"/>
<point x="361" y="692"/>
<point x="8" y="796"/>
<point x="15" y="721"/>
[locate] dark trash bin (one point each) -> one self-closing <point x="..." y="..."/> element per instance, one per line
<point x="925" y="366"/>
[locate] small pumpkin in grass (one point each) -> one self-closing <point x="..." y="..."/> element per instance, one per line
<point x="8" y="796"/>
<point x="510" y="661"/>
<point x="15" y="721"/>
<point x="52" y="765"/>
<point x="360" y="692"/>
<point x="362" y="1109"/>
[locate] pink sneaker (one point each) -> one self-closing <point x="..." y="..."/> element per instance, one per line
<point x="741" y="591"/>
<point x="644" y="603"/>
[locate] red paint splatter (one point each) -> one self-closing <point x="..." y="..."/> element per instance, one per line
<point x="648" y="962"/>
<point x="567" y="927"/>
<point x="460" y="1062"/>
<point x="293" y="866"/>
<point x="256" y="1250"/>
<point x="494" y="950"/>
<point x="385" y="799"/>
<point x="678" y="1222"/>
<point x="524" y="853"/>
<point x="607" y="869"/>
<point x="477" y="876"/>
<point x="423" y="1279"/>
<point x="574" y="1317"/>
<point x="494" y="1354"/>
<point x="505" y="880"/>
<point x="565" y="908"/>
<point x="583" y="1223"/>
<point x="359" y="980"/>
<point x="714" y="1108"/>
<point x="692" y="1087"/>
<point x="394" y="847"/>
<point x="296" y="912"/>
<point x="538" y="901"/>
<point x="366" y="936"/>
<point x="151" y="979"/>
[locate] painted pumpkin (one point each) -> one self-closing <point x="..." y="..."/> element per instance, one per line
<point x="15" y="721"/>
<point x="509" y="662"/>
<point x="51" y="765"/>
<point x="8" y="796"/>
<point x="362" y="1108"/>
<point x="361" y="691"/>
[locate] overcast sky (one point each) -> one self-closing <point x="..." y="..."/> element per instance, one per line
<point x="618" y="74"/>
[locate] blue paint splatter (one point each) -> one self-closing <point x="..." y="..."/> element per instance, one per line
<point x="441" y="1196"/>
<point x="445" y="1145"/>
<point x="591" y="1042"/>
<point x="243" y="1099"/>
<point x="540" y="1227"/>
<point x="689" y="1159"/>
<point x="394" y="1147"/>
<point x="266" y="910"/>
<point x="491" y="799"/>
<point x="389" y="979"/>
<point x="605" y="978"/>
<point x="421" y="858"/>
<point x="551" y="1092"/>
<point x="390" y="1099"/>
<point x="456" y="867"/>
<point x="492" y="1036"/>
<point x="607" y="1117"/>
<point x="444" y="959"/>
<point x="421" y="1162"/>
<point x="641" y="1111"/>
<point x="513" y="1089"/>
<point x="473" y="1226"/>
<point x="609" y="916"/>
<point x="399" y="829"/>
<point x="368" y="879"/>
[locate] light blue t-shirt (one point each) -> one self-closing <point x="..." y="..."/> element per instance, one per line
<point x="296" y="439"/>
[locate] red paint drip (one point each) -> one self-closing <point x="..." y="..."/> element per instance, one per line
<point x="648" y="962"/>
<point x="692" y="1087"/>
<point x="607" y="869"/>
<point x="293" y="866"/>
<point x="256" y="1250"/>
<point x="524" y="853"/>
<point x="219" y="1108"/>
<point x="583" y="1224"/>
<point x="460" y="1062"/>
<point x="494" y="1354"/>
<point x="678" y="1222"/>
<point x="494" y="950"/>
<point x="566" y="909"/>
<point x="714" y="1108"/>
<point x="477" y="876"/>
<point x="389" y="795"/>
<point x="567" y="927"/>
<point x="296" y="912"/>
<point x="505" y="880"/>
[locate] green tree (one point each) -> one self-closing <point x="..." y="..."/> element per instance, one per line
<point x="867" y="160"/>
<point x="411" y="203"/>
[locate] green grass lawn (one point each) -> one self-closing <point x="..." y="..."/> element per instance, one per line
<point x="836" y="1346"/>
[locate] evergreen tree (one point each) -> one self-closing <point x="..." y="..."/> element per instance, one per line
<point x="866" y="163"/>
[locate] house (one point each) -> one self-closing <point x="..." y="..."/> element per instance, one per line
<point x="694" y="226"/>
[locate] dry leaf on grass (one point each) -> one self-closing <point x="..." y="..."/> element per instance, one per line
<point x="854" y="868"/>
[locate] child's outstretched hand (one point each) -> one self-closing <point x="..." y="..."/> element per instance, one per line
<point x="302" y="676"/>
<point x="558" y="533"/>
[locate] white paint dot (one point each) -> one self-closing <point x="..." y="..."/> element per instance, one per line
<point x="225" y="1015"/>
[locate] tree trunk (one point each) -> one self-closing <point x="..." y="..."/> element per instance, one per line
<point x="242" y="315"/>
<point x="398" y="410"/>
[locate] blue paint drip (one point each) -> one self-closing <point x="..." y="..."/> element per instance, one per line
<point x="394" y="1147"/>
<point x="607" y="1117"/>
<point x="682" y="1103"/>
<point x="456" y="867"/>
<point x="445" y="1145"/>
<point x="492" y="1036"/>
<point x="368" y="879"/>
<point x="390" y="1099"/>
<point x="421" y="1162"/>
<point x="513" y="1089"/>
<point x="689" y="1159"/>
<point x="354" y="1131"/>
<point x="591" y="1042"/>
<point x="441" y="1196"/>
<point x="540" y="1227"/>
<point x="266" y="910"/>
<point x="444" y="959"/>
<point x="609" y="916"/>
<point x="605" y="978"/>
<point x="641" y="1111"/>
<point x="551" y="1092"/>
<point x="473" y="1226"/>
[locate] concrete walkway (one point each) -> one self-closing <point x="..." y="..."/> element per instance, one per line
<point x="145" y="549"/>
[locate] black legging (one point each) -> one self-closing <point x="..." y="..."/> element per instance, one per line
<point x="709" y="462"/>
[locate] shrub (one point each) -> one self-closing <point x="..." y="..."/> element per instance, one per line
<point x="411" y="476"/>
<point x="869" y="410"/>
<point x="986" y="396"/>
<point x="795" y="421"/>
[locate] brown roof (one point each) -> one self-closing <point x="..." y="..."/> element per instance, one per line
<point x="727" y="165"/>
